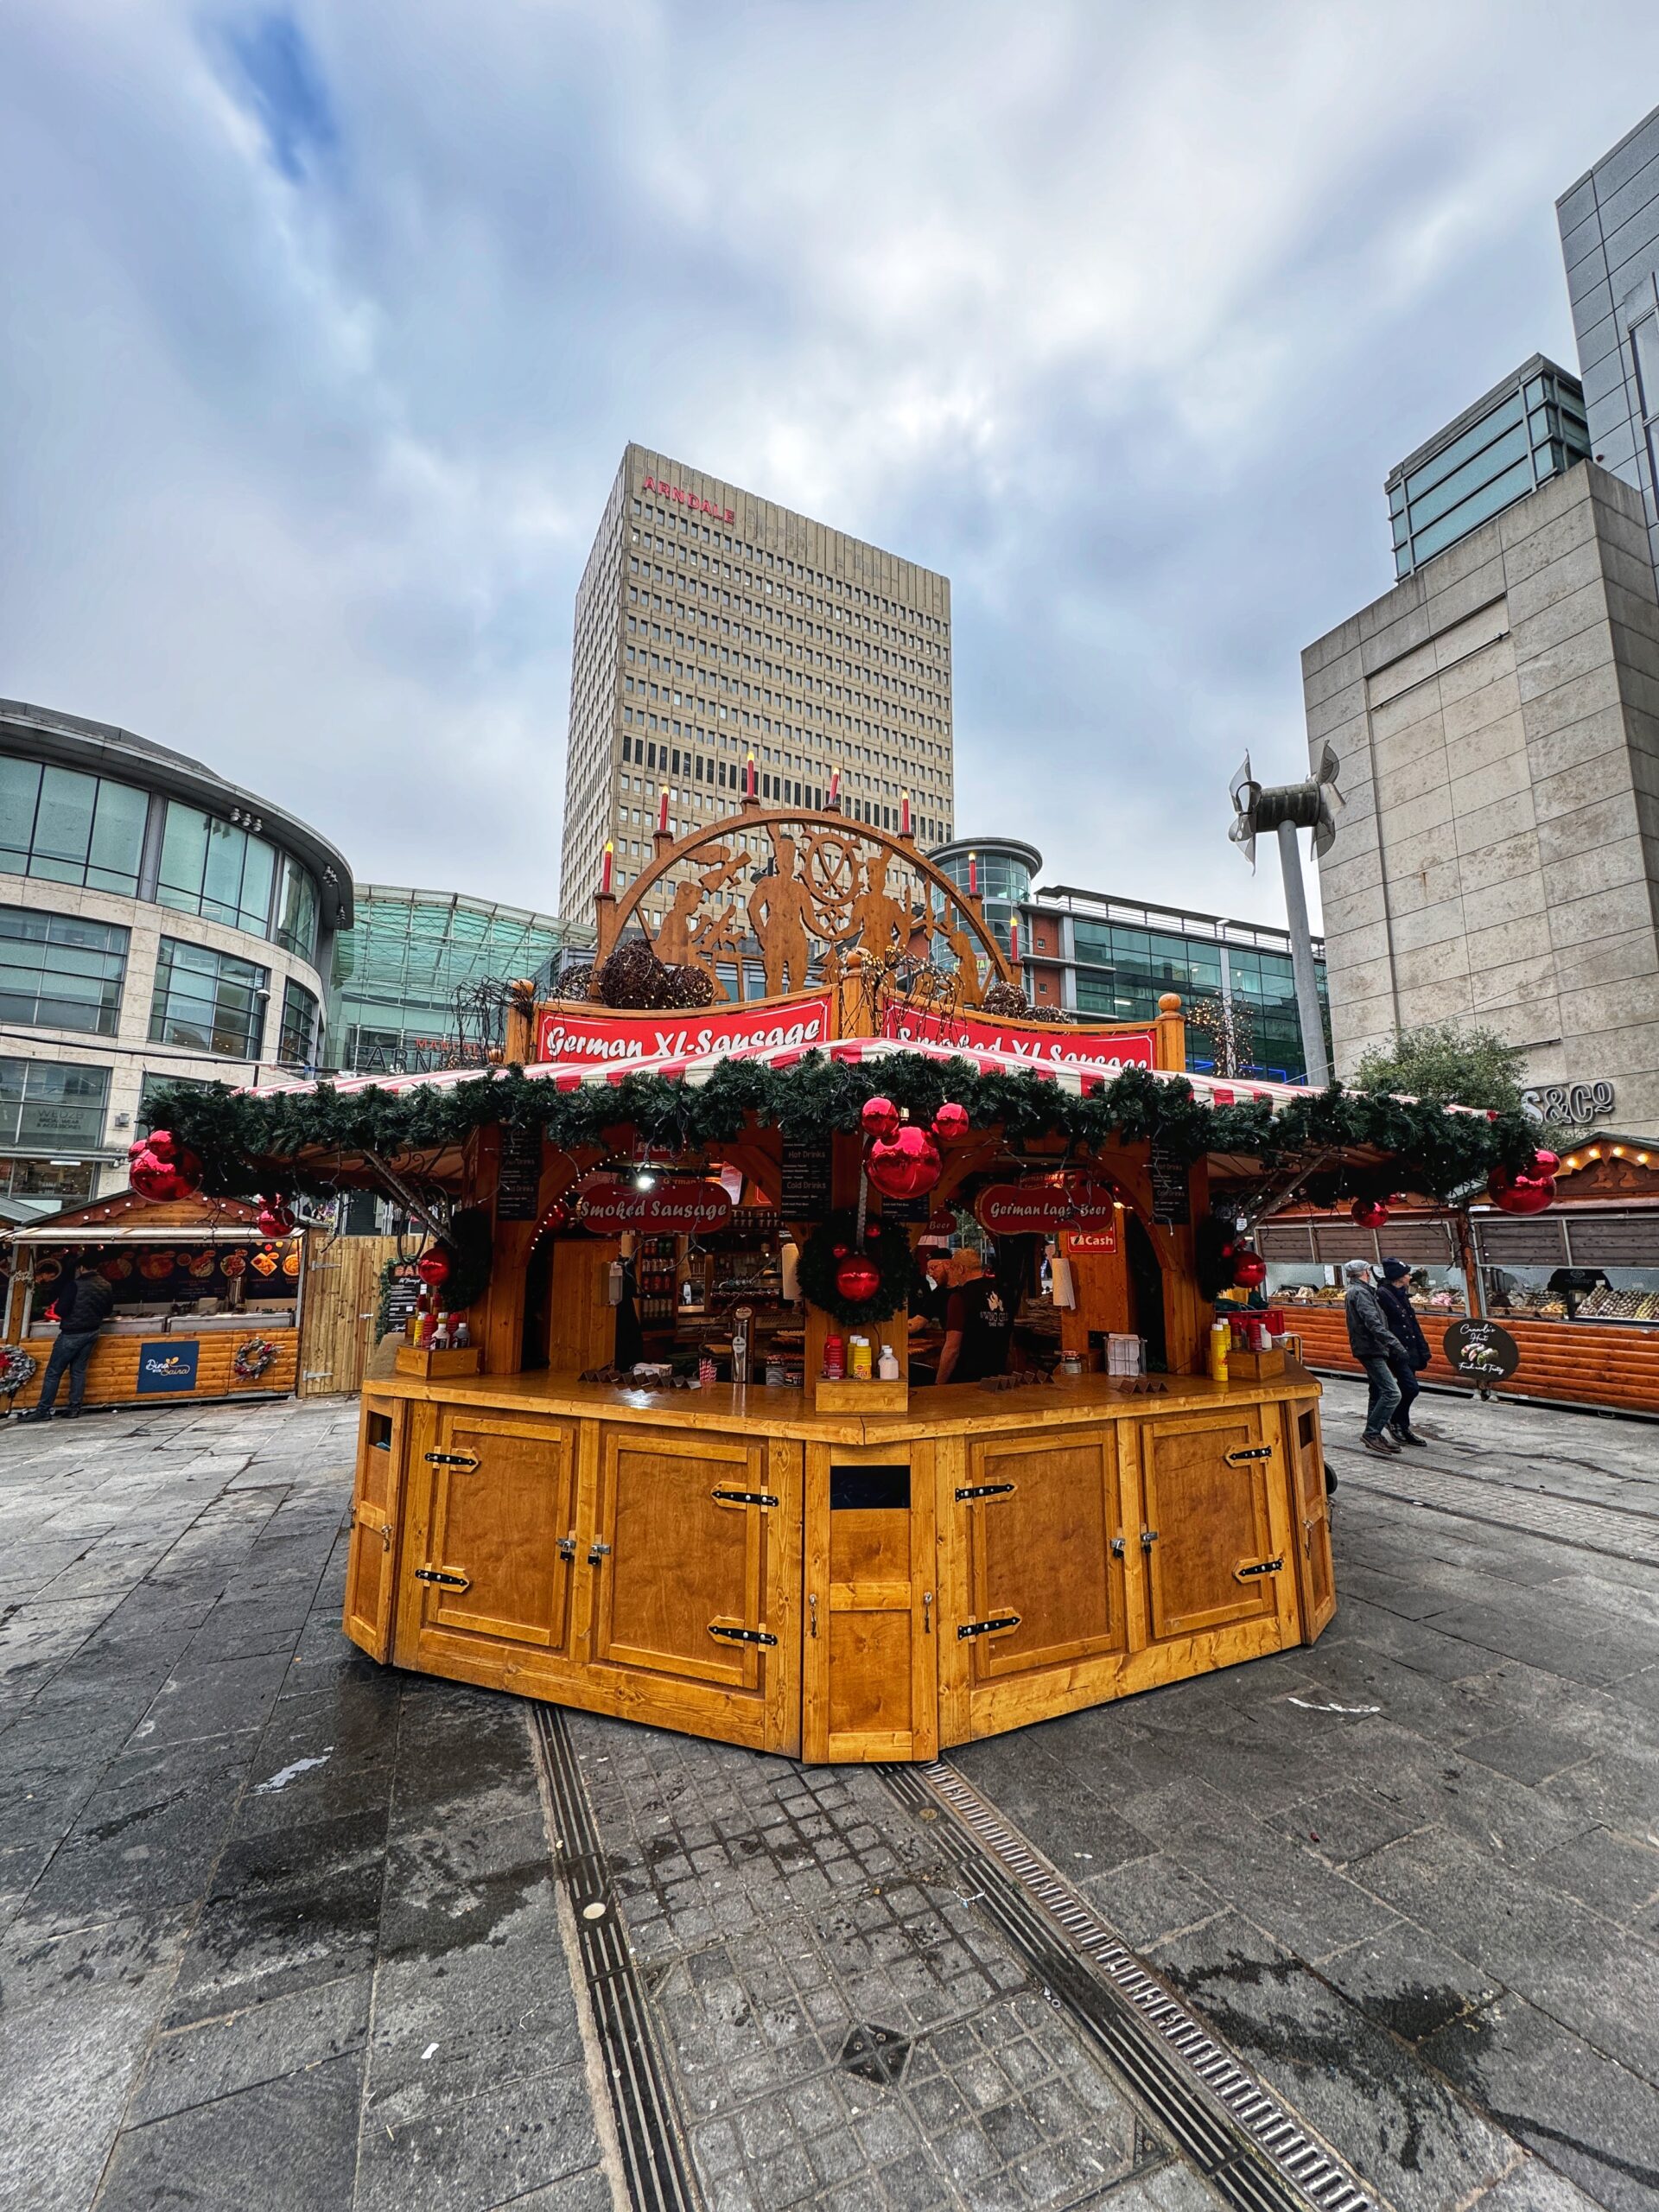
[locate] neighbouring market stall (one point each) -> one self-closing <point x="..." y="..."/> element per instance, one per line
<point x="206" y="1301"/>
<point x="1574" y="1285"/>
<point x="684" y="1466"/>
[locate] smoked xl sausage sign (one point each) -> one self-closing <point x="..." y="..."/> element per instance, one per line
<point x="684" y="1209"/>
<point x="1091" y="1051"/>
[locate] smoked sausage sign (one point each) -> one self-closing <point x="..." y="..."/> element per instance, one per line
<point x="1040" y="1209"/>
<point x="684" y="1209"/>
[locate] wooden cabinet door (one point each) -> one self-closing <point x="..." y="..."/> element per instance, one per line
<point x="1042" y="1518"/>
<point x="371" y="1569"/>
<point x="870" y="1683"/>
<point x="679" y="1557"/>
<point x="1316" y="1581"/>
<point x="1207" y="1535"/>
<point x="500" y="1529"/>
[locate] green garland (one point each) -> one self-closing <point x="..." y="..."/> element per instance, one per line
<point x="886" y="1245"/>
<point x="243" y="1139"/>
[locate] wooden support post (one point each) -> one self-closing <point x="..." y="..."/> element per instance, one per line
<point x="518" y="1042"/>
<point x="1169" y="1047"/>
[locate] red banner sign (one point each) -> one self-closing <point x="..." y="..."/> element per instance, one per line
<point x="1041" y="1209"/>
<point x="685" y="1209"/>
<point x="570" y="1039"/>
<point x="1092" y="1240"/>
<point x="1094" y="1051"/>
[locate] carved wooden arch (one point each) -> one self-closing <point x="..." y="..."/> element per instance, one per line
<point x="816" y="824"/>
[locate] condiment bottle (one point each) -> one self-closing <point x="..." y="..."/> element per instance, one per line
<point x="462" y="1335"/>
<point x="888" y="1366"/>
<point x="860" y="1349"/>
<point x="440" y="1334"/>
<point x="834" y="1359"/>
<point x="1220" y="1336"/>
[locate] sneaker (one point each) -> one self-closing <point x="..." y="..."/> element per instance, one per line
<point x="1377" y="1444"/>
<point x="1405" y="1436"/>
<point x="36" y="1415"/>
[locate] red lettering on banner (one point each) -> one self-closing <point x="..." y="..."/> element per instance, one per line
<point x="566" y="1039"/>
<point x="1095" y="1050"/>
<point x="1042" y="1209"/>
<point x="1082" y="1240"/>
<point x="687" y="1208"/>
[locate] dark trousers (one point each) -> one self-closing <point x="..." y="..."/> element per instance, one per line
<point x="1385" y="1394"/>
<point x="1410" y="1389"/>
<point x="71" y="1352"/>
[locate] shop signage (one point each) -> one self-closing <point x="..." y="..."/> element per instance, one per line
<point x="1092" y="1240"/>
<point x="567" y="1040"/>
<point x="685" y="1209"/>
<point x="806" y="1185"/>
<point x="168" y="1363"/>
<point x="1574" y="1104"/>
<point x="518" y="1174"/>
<point x="1100" y="1052"/>
<point x="690" y="499"/>
<point x="1171" y="1202"/>
<point x="1042" y="1209"/>
<point x="1482" y="1352"/>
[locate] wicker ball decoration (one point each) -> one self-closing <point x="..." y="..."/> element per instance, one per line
<point x="688" y="986"/>
<point x="633" y="977"/>
<point x="1007" y="1001"/>
<point x="576" y="982"/>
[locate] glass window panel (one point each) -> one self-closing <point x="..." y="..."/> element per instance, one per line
<point x="117" y="837"/>
<point x="1644" y="343"/>
<point x="297" y="913"/>
<point x="298" y="1043"/>
<point x="20" y="790"/>
<point x="221" y="882"/>
<point x="1540" y="424"/>
<point x="1480" y="434"/>
<point x="1534" y="391"/>
<point x="184" y="857"/>
<point x="46" y="1105"/>
<point x="207" y="1002"/>
<point x="1462" y="482"/>
<point x="63" y="824"/>
<point x="259" y="875"/>
<point x="1513" y="485"/>
<point x="59" y="972"/>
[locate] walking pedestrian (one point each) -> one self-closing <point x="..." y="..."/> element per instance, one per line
<point x="1402" y="1320"/>
<point x="1375" y="1346"/>
<point x="84" y="1306"/>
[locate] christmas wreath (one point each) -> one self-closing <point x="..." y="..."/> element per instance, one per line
<point x="18" y="1367"/>
<point x="830" y="1248"/>
<point x="253" y="1358"/>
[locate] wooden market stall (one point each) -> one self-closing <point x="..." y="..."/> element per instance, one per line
<point x="205" y="1304"/>
<point x="658" y="1480"/>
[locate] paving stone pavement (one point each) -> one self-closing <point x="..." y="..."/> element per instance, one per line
<point x="281" y="1928"/>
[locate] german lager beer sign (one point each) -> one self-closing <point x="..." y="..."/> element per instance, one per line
<point x="611" y="1207"/>
<point x="1086" y="1051"/>
<point x="565" y="1038"/>
<point x="1042" y="1209"/>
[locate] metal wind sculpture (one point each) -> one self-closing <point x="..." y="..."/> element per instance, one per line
<point x="1285" y="809"/>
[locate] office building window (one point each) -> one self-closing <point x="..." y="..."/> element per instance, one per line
<point x="297" y="911"/>
<point x="58" y="972"/>
<point x="69" y="828"/>
<point x="66" y="1180"/>
<point x="209" y="1002"/>
<point x="297" y="1046"/>
<point x="46" y="1106"/>
<point x="213" y="868"/>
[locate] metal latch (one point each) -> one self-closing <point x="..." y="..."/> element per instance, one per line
<point x="1259" y="1566"/>
<point x="568" y="1545"/>
<point x="1242" y="1457"/>
<point x="1148" y="1538"/>
<point x="465" y="1460"/>
<point x="739" y="1635"/>
<point x="743" y="1497"/>
<point x="596" y="1551"/>
<point x="983" y="1489"/>
<point x="985" y="1627"/>
<point x="445" y="1578"/>
<point x="1117" y="1547"/>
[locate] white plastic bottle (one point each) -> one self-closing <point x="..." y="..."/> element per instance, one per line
<point x="888" y="1367"/>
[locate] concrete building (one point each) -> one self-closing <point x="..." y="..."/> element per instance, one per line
<point x="155" y="922"/>
<point x="1609" y="241"/>
<point x="712" y="625"/>
<point x="1496" y="715"/>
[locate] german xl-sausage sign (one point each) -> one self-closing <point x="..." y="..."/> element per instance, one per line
<point x="564" y="1039"/>
<point x="683" y="1209"/>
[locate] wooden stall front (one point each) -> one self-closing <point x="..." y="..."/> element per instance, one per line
<point x="199" y="1294"/>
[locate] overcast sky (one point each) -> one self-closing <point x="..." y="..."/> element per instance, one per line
<point x="326" y="325"/>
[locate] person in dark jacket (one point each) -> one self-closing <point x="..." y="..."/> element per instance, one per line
<point x="1402" y="1320"/>
<point x="1376" y="1348"/>
<point x="84" y="1306"/>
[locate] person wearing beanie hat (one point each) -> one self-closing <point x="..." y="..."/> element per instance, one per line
<point x="1402" y="1320"/>
<point x="1376" y="1348"/>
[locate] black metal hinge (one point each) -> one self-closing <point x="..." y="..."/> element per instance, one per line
<point x="739" y="1635"/>
<point x="445" y="1578"/>
<point x="1259" y="1566"/>
<point x="983" y="1489"/>
<point x="1243" y="1456"/>
<point x="985" y="1627"/>
<point x="467" y="1460"/>
<point x="743" y="1497"/>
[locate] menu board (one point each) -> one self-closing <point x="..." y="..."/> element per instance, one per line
<point x="920" y="1208"/>
<point x="1170" y="1200"/>
<point x="518" y="1178"/>
<point x="806" y="1180"/>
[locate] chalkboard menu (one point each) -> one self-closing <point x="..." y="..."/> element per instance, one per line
<point x="520" y="1174"/>
<point x="908" y="1210"/>
<point x="806" y="1180"/>
<point x="1169" y="1187"/>
<point x="398" y="1299"/>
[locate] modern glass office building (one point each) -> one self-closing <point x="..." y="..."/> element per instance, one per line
<point x="1523" y="432"/>
<point x="1610" y="242"/>
<point x="1002" y="866"/>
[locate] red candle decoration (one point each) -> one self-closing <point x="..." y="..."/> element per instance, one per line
<point x="904" y="815"/>
<point x="857" y="1278"/>
<point x="605" y="872"/>
<point x="880" y="1118"/>
<point x="906" y="1165"/>
<point x="973" y="875"/>
<point x="1369" y="1213"/>
<point x="1013" y="940"/>
<point x="834" y="788"/>
<point x="951" y="1122"/>
<point x="748" y="777"/>
<point x="661" y="814"/>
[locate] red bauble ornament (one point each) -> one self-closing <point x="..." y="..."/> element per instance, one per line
<point x="1526" y="1194"/>
<point x="1249" y="1269"/>
<point x="880" y="1118"/>
<point x="951" y="1122"/>
<point x="838" y="1251"/>
<point x="857" y="1278"/>
<point x="906" y="1166"/>
<point x="275" y="1219"/>
<point x="159" y="1168"/>
<point x="1544" y="1164"/>
<point x="433" y="1268"/>
<point x="1369" y="1213"/>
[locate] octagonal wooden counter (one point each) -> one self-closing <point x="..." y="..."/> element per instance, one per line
<point x="727" y="1563"/>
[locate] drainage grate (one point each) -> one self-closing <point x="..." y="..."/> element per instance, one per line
<point x="875" y="2055"/>
<point x="1243" y="2140"/>
<point x="1605" y="1529"/>
<point x="647" y="2125"/>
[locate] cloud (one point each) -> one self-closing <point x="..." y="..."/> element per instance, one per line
<point x="328" y="325"/>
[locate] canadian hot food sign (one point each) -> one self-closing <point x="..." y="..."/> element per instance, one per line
<point x="567" y="1039"/>
<point x="1039" y="1208"/>
<point x="682" y="1208"/>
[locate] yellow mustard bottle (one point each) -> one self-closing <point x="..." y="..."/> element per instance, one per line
<point x="1220" y="1336"/>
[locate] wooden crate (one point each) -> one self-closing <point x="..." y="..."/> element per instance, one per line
<point x="1254" y="1366"/>
<point x="416" y="1359"/>
<point x="847" y="1396"/>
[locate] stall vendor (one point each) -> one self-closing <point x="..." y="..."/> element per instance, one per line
<point x="978" y="1333"/>
<point x="928" y="1311"/>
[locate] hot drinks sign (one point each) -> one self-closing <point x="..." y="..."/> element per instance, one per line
<point x="1091" y="1051"/>
<point x="567" y="1040"/>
